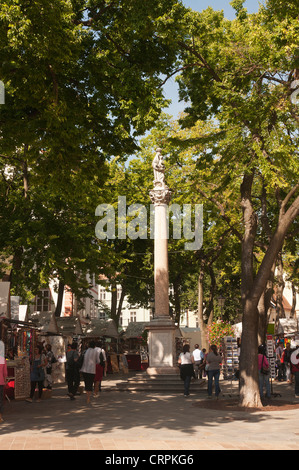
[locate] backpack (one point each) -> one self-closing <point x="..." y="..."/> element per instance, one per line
<point x="102" y="362"/>
<point x="80" y="360"/>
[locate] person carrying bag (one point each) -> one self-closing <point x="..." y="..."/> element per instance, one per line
<point x="264" y="372"/>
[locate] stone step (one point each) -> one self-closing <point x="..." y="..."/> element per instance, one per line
<point x="162" y="383"/>
<point x="175" y="388"/>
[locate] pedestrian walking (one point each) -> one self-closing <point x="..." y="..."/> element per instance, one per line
<point x="198" y="360"/>
<point x="100" y="367"/>
<point x="186" y="362"/>
<point x="213" y="361"/>
<point x="279" y="364"/>
<point x="204" y="362"/>
<point x="264" y="372"/>
<point x="286" y="359"/>
<point x="3" y="377"/>
<point x="37" y="373"/>
<point x="88" y="369"/>
<point x="295" y="370"/>
<point x="72" y="370"/>
<point x="50" y="361"/>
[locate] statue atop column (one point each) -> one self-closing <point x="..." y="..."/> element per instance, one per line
<point x="161" y="193"/>
<point x="159" y="169"/>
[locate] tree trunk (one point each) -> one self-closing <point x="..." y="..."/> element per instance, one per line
<point x="59" y="299"/>
<point x="113" y="312"/>
<point x="280" y="313"/>
<point x="202" y="325"/>
<point x="253" y="289"/>
<point x="294" y="295"/>
<point x="263" y="308"/>
<point x="249" y="388"/>
<point x="120" y="304"/>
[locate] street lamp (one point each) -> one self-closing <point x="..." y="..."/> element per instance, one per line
<point x="221" y="301"/>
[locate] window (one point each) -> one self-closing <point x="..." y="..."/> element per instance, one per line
<point x="43" y="303"/>
<point x="132" y="316"/>
<point x="102" y="294"/>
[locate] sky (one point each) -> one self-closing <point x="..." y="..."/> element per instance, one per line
<point x="171" y="89"/>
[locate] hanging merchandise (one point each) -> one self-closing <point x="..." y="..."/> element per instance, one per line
<point x="20" y="340"/>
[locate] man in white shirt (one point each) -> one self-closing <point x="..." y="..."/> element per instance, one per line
<point x="100" y="368"/>
<point x="197" y="356"/>
<point x="91" y="359"/>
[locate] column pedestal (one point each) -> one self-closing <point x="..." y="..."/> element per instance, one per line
<point x="161" y="342"/>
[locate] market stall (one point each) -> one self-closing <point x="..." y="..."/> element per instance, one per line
<point x="70" y="328"/>
<point x="48" y="333"/>
<point x="135" y="345"/>
<point x="106" y="332"/>
<point x="19" y="340"/>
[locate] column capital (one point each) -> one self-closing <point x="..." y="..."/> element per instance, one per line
<point x="160" y="196"/>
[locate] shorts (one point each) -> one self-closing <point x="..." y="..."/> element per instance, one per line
<point x="88" y="381"/>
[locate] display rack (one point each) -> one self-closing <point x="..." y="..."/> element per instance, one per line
<point x="230" y="363"/>
<point x="270" y="354"/>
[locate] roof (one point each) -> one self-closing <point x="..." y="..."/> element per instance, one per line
<point x="69" y="326"/>
<point x="45" y="321"/>
<point x="135" y="329"/>
<point x="287" y="326"/>
<point x="98" y="327"/>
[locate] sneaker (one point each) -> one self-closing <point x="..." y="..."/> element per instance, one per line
<point x="29" y="400"/>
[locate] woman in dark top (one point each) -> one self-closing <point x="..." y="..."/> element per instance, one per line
<point x="213" y="361"/>
<point x="186" y="368"/>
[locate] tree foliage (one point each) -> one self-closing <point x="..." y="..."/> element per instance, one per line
<point x="82" y="80"/>
<point x="240" y="74"/>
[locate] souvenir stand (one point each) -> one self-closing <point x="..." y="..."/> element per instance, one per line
<point x="70" y="328"/>
<point x="230" y="363"/>
<point x="48" y="333"/>
<point x="19" y="339"/>
<point x="106" y="332"/>
<point x="135" y="345"/>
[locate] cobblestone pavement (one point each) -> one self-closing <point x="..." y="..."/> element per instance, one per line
<point x="131" y="421"/>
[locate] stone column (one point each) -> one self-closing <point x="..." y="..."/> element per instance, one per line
<point x="162" y="328"/>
